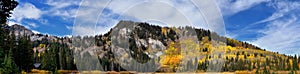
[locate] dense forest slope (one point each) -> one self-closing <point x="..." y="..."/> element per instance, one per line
<point x="168" y="48"/>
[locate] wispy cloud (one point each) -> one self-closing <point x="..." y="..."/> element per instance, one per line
<point x="278" y="32"/>
<point x="230" y="7"/>
<point x="58" y="4"/>
<point x="65" y="9"/>
<point x="69" y="27"/>
<point x="168" y="12"/>
<point x="33" y="25"/>
<point x="88" y="16"/>
<point x="281" y="34"/>
<point x="88" y="13"/>
<point x="282" y="31"/>
<point x="282" y="8"/>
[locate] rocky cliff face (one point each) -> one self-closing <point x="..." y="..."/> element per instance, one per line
<point x="134" y="42"/>
<point x="134" y="45"/>
<point x="137" y="42"/>
<point x="127" y="38"/>
<point x="20" y="30"/>
<point x="137" y="37"/>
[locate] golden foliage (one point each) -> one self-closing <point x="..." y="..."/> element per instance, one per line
<point x="171" y="49"/>
<point x="172" y="57"/>
<point x="231" y="48"/>
<point x="165" y="31"/>
<point x="42" y="45"/>
<point x="189" y="48"/>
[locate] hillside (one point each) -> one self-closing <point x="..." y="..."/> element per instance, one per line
<point x="182" y="49"/>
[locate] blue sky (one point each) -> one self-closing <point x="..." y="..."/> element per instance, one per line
<point x="270" y="24"/>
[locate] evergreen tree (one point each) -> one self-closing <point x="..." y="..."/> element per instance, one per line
<point x="49" y="61"/>
<point x="66" y="58"/>
<point x="8" y="66"/>
<point x="283" y="65"/>
<point x="299" y="59"/>
<point x="295" y="64"/>
<point x="2" y="55"/>
<point x="23" y="54"/>
<point x="5" y="9"/>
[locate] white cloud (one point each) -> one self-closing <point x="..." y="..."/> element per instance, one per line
<point x="212" y="15"/>
<point x="172" y="13"/>
<point x="166" y="13"/>
<point x="282" y="32"/>
<point x="231" y="35"/>
<point x="62" y="8"/>
<point x="230" y="7"/>
<point x="33" y="25"/>
<point x="282" y="8"/>
<point x="27" y="10"/>
<point x="65" y="14"/>
<point x="36" y="32"/>
<point x="68" y="36"/>
<point x="69" y="27"/>
<point x="10" y="23"/>
<point x="58" y="4"/>
<point x="88" y="16"/>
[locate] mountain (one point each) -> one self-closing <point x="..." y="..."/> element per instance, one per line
<point x="168" y="48"/>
